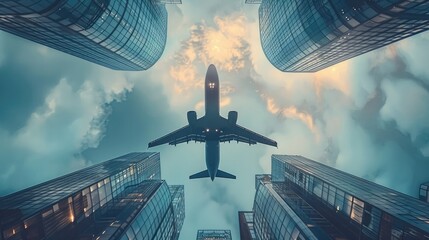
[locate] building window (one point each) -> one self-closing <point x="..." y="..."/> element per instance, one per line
<point x="357" y="210"/>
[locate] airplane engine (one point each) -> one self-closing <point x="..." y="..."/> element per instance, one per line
<point x="232" y="117"/>
<point x="192" y="117"/>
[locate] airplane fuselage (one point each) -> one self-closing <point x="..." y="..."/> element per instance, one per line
<point x="212" y="101"/>
<point x="212" y="129"/>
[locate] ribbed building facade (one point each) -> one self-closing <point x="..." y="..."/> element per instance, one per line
<point x="123" y="198"/>
<point x="310" y="35"/>
<point x="304" y="199"/>
<point x="118" y="34"/>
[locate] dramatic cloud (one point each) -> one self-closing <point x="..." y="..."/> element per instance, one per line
<point x="369" y="120"/>
<point x="399" y="107"/>
<point x="68" y="122"/>
<point x="65" y="113"/>
<point x="223" y="45"/>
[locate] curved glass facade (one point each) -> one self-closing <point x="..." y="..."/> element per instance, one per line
<point x="155" y="220"/>
<point x="304" y="199"/>
<point x="274" y="219"/>
<point x="358" y="208"/>
<point x="310" y="35"/>
<point x="118" y="34"/>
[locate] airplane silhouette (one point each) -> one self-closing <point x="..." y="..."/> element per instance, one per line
<point x="212" y="129"/>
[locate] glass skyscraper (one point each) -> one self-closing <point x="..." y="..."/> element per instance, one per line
<point x="178" y="201"/>
<point x="304" y="199"/>
<point x="310" y="35"/>
<point x="210" y="234"/>
<point x="123" y="198"/>
<point x="118" y="34"/>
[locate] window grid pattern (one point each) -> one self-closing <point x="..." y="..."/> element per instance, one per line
<point x="111" y="220"/>
<point x="320" y="226"/>
<point x="247" y="229"/>
<point x="156" y="219"/>
<point x="310" y="35"/>
<point x="121" y="35"/>
<point x="214" y="234"/>
<point x="178" y="201"/>
<point x="51" y="206"/>
<point x="253" y="1"/>
<point x="378" y="211"/>
<point x="273" y="218"/>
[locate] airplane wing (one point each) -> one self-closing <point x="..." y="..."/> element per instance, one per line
<point x="241" y="134"/>
<point x="184" y="134"/>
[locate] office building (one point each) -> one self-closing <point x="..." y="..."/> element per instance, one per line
<point x="121" y="35"/>
<point x="178" y="200"/>
<point x="424" y="192"/>
<point x="310" y="35"/>
<point x="210" y="234"/>
<point x="123" y="198"/>
<point x="245" y="220"/>
<point x="304" y="199"/>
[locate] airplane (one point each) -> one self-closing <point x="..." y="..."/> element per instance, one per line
<point x="212" y="129"/>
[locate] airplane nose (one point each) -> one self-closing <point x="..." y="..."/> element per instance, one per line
<point x="212" y="69"/>
<point x="212" y="177"/>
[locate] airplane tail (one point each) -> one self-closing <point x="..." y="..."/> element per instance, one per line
<point x="223" y="174"/>
<point x="202" y="174"/>
<point x="205" y="174"/>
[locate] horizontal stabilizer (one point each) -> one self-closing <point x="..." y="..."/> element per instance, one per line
<point x="202" y="174"/>
<point x="223" y="174"/>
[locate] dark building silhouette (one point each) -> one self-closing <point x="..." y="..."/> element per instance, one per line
<point x="310" y="35"/>
<point x="304" y="199"/>
<point x="424" y="192"/>
<point x="123" y="198"/>
<point x="210" y="234"/>
<point x="121" y="35"/>
<point x="245" y="220"/>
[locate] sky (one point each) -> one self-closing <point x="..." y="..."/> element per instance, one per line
<point x="367" y="116"/>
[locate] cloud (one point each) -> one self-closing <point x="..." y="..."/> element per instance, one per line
<point x="27" y="76"/>
<point x="185" y="78"/>
<point x="53" y="137"/>
<point x="405" y="98"/>
<point x="223" y="45"/>
<point x="412" y="54"/>
<point x="290" y="112"/>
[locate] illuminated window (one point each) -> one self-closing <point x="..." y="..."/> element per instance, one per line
<point x="211" y="85"/>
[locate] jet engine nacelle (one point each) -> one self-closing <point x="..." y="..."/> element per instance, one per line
<point x="232" y="117"/>
<point x="192" y="117"/>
